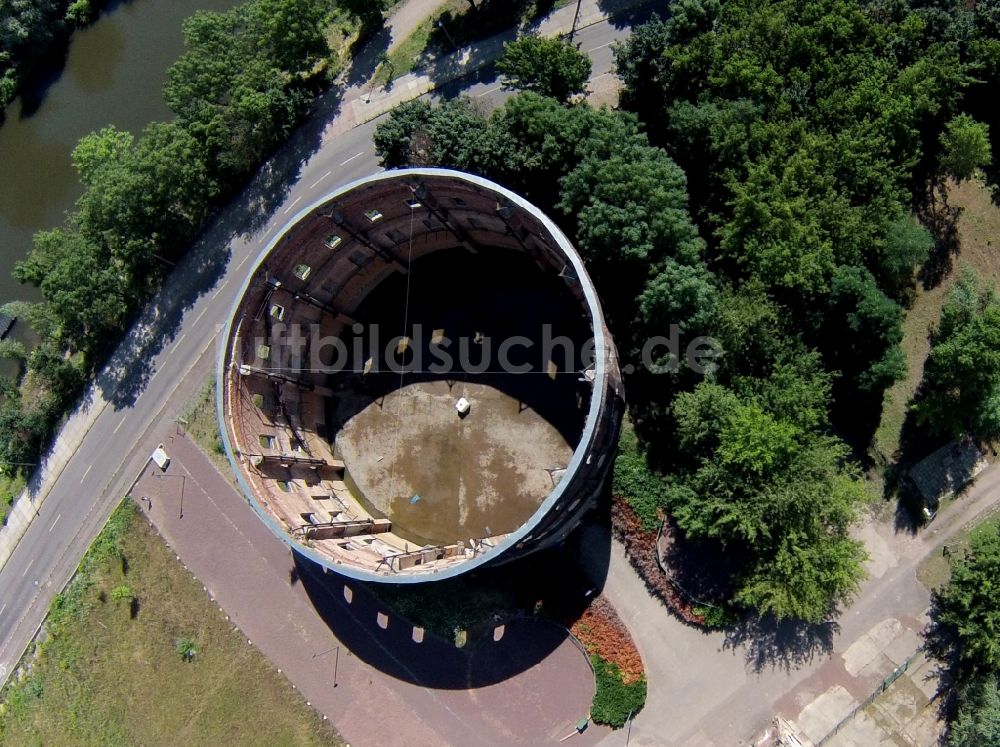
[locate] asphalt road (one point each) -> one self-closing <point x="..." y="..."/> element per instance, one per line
<point x="158" y="376"/>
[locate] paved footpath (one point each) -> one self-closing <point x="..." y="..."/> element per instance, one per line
<point x="529" y="688"/>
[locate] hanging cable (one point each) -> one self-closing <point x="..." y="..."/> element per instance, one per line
<point x="402" y="368"/>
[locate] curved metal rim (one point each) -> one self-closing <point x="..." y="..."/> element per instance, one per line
<point x="579" y="454"/>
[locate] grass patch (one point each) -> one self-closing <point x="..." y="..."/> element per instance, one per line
<point x="615" y="700"/>
<point x="10" y="488"/>
<point x="978" y="226"/>
<point x="114" y="672"/>
<point x="412" y="52"/>
<point x="342" y="33"/>
<point x="464" y="26"/>
<point x="935" y="570"/>
<point x="201" y="424"/>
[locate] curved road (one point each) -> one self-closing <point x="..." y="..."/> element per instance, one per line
<point x="170" y="354"/>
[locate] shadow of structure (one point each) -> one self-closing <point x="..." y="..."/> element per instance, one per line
<point x="469" y="632"/>
<point x="519" y="305"/>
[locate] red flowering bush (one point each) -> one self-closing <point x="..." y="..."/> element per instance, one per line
<point x="640" y="547"/>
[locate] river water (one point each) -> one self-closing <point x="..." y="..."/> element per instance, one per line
<point x="113" y="74"/>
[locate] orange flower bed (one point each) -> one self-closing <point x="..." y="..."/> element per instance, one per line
<point x="640" y="547"/>
<point x="602" y="632"/>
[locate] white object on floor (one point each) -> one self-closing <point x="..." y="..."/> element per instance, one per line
<point x="463" y="405"/>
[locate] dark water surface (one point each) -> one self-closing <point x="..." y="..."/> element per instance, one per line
<point x="113" y="74"/>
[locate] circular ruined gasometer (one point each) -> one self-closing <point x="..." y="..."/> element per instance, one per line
<point x="417" y="379"/>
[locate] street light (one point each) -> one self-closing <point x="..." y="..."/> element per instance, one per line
<point x="183" y="483"/>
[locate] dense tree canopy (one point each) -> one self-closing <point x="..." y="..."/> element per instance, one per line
<point x="551" y="67"/>
<point x="234" y="89"/>
<point x="241" y="86"/>
<point x="978" y="720"/>
<point x="766" y="484"/>
<point x="961" y="392"/>
<point x="969" y="604"/>
<point x="83" y="289"/>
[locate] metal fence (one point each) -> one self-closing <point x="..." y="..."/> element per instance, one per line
<point x="899" y="672"/>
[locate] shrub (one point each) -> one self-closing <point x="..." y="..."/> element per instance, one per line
<point x="186" y="648"/>
<point x="122" y="593"/>
<point x="615" y="702"/>
<point x="603" y="633"/>
<point x="633" y="480"/>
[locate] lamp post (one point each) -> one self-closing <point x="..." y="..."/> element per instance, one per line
<point x="183" y="483"/>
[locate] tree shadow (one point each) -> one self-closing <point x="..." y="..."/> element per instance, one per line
<point x="461" y="44"/>
<point x="941" y="219"/>
<point x="452" y="89"/>
<point x="513" y="627"/>
<point x="128" y="371"/>
<point x="254" y="207"/>
<point x="445" y="65"/>
<point x="697" y="568"/>
<point x="941" y="644"/>
<point x="366" y="55"/>
<point x="781" y="644"/>
<point x="629" y="13"/>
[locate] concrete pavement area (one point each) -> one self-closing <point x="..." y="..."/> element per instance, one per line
<point x="530" y="687"/>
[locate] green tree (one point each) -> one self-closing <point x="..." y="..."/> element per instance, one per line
<point x="965" y="147"/>
<point x="143" y="198"/>
<point x="678" y="294"/>
<point x="907" y="245"/>
<point x="238" y="87"/>
<point x="290" y="32"/>
<point x="13" y="350"/>
<point x="84" y="291"/>
<point x="969" y="605"/>
<point x="773" y="489"/>
<point x="978" y="720"/>
<point x="551" y="67"/>
<point x="867" y="327"/>
<point x="394" y="136"/>
<point x="961" y="389"/>
<point x="630" y="214"/>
